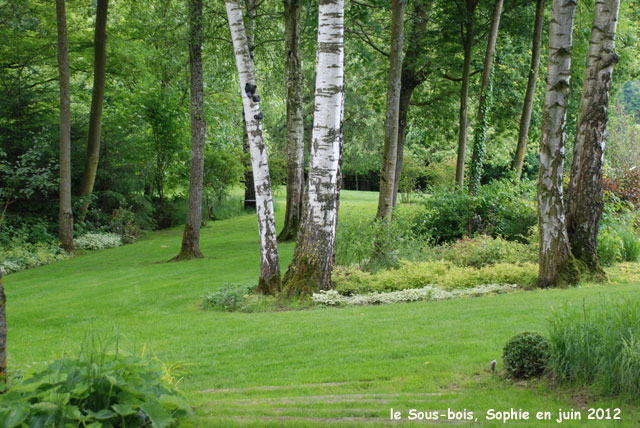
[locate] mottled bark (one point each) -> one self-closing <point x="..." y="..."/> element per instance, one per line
<point x="467" y="43"/>
<point x="65" y="215"/>
<point x="527" y="108"/>
<point x="392" y="117"/>
<point x="249" y="185"/>
<point x="295" y="123"/>
<point x="97" y="100"/>
<point x="269" y="281"/>
<point x="556" y="264"/>
<point x="3" y="333"/>
<point x="584" y="194"/>
<point x="412" y="76"/>
<point x="477" y="157"/>
<point x="310" y="269"/>
<point x="191" y="236"/>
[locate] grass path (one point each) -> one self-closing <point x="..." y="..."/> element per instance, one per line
<point x="321" y="367"/>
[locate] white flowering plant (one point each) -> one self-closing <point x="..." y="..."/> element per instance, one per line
<point x="97" y="241"/>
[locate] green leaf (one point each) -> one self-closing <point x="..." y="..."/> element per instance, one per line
<point x="173" y="402"/>
<point x="45" y="407"/>
<point x="14" y="416"/>
<point x="160" y="418"/>
<point x="124" y="409"/>
<point x="102" y="415"/>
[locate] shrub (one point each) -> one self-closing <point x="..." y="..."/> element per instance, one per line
<point x="95" y="390"/>
<point x="351" y="280"/>
<point x="123" y="222"/>
<point x="230" y="298"/>
<point x="630" y="245"/>
<point x="26" y="256"/>
<point x="525" y="355"/>
<point x="598" y="345"/>
<point x="484" y="250"/>
<point x="97" y="241"/>
<point x="446" y="216"/>
<point x="610" y="246"/>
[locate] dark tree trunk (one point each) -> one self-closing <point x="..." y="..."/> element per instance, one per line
<point x="527" y="108"/>
<point x="584" y="195"/>
<point x="191" y="236"/>
<point x="467" y="43"/>
<point x="65" y="215"/>
<point x="477" y="158"/>
<point x="295" y="123"/>
<point x="3" y="333"/>
<point x="97" y="100"/>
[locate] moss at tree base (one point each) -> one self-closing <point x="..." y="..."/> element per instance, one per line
<point x="270" y="286"/>
<point x="569" y="272"/>
<point x="299" y="280"/>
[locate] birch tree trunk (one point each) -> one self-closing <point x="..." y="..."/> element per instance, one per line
<point x="391" y="123"/>
<point x="65" y="215"/>
<point x="467" y="43"/>
<point x="97" y="100"/>
<point x="484" y="104"/>
<point x="269" y="281"/>
<point x="584" y="194"/>
<point x="249" y="185"/>
<point x="191" y="236"/>
<point x="3" y="333"/>
<point x="310" y="269"/>
<point x="557" y="265"/>
<point x="527" y="108"/>
<point x="410" y="79"/>
<point x="295" y="124"/>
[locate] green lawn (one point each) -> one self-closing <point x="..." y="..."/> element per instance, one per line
<point x="320" y="367"/>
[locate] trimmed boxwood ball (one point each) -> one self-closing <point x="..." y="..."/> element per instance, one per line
<point x="526" y="355"/>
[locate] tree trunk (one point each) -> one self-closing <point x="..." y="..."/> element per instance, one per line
<point x="3" y="333"/>
<point x="249" y="185"/>
<point x="65" y="215"/>
<point x="584" y="194"/>
<point x="392" y="118"/>
<point x="295" y="123"/>
<point x="484" y="103"/>
<point x="410" y="79"/>
<point x="310" y="269"/>
<point x="191" y="236"/>
<point x="269" y="281"/>
<point x="527" y="108"/>
<point x="97" y="100"/>
<point x="557" y="265"/>
<point x="464" y="91"/>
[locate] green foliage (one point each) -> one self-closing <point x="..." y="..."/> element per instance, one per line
<point x="227" y="298"/>
<point x="479" y="140"/>
<point x="484" y="250"/>
<point x="21" y="256"/>
<point x="351" y="280"/>
<point x="598" y="345"/>
<point x="123" y="222"/>
<point x="97" y="241"/>
<point x="96" y="390"/>
<point x="525" y="355"/>
<point x="630" y="245"/>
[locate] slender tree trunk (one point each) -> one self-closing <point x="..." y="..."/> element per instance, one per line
<point x="269" y="260"/>
<point x="392" y="118"/>
<point x="65" y="215"/>
<point x="484" y="103"/>
<point x="411" y="78"/>
<point x="584" y="194"/>
<point x="97" y="100"/>
<point x="464" y="91"/>
<point x="557" y="265"/>
<point x="191" y="236"/>
<point x="3" y="333"/>
<point x="527" y="108"/>
<point x="310" y="269"/>
<point x="295" y="123"/>
<point x="249" y="185"/>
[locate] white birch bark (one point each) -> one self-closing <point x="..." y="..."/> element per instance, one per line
<point x="584" y="195"/>
<point x="554" y="242"/>
<point x="312" y="262"/>
<point x="269" y="260"/>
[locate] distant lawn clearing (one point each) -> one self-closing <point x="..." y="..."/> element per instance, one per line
<point x="321" y="367"/>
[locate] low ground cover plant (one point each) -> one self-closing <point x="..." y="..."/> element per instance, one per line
<point x="598" y="345"/>
<point x="97" y="241"/>
<point x="23" y="256"/>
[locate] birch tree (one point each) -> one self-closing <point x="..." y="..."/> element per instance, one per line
<point x="269" y="281"/>
<point x="556" y="264"/>
<point x="527" y="108"/>
<point x="484" y="103"/>
<point x="65" y="215"/>
<point x="97" y="101"/>
<point x="584" y="194"/>
<point x="310" y="269"/>
<point x="391" y="123"/>
<point x="191" y="236"/>
<point x="249" y="185"/>
<point x="3" y="333"/>
<point x="295" y="124"/>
